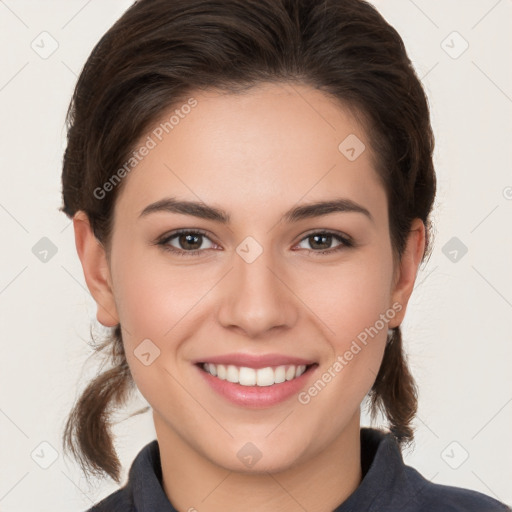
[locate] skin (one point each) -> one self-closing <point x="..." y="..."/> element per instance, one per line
<point x="255" y="155"/>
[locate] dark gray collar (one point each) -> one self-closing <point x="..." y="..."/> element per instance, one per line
<point x="388" y="485"/>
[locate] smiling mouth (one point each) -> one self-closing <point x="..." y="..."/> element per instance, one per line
<point x="246" y="376"/>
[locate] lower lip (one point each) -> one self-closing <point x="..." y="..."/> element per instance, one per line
<point x="257" y="396"/>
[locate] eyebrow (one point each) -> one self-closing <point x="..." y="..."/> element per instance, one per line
<point x="298" y="213"/>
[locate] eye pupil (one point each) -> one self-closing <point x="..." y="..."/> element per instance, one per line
<point x="325" y="244"/>
<point x="185" y="241"/>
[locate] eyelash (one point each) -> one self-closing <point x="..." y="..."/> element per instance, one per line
<point x="345" y="242"/>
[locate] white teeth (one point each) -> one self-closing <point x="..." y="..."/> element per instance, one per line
<point x="221" y="371"/>
<point x="266" y="377"/>
<point x="232" y="373"/>
<point x="251" y="377"/>
<point x="280" y="374"/>
<point x="247" y="376"/>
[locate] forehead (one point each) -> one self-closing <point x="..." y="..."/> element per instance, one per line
<point x="272" y="143"/>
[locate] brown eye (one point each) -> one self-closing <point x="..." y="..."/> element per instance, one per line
<point x="321" y="242"/>
<point x="185" y="243"/>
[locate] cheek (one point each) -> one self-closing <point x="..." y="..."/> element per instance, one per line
<point x="157" y="306"/>
<point x="351" y="296"/>
<point x="354" y="303"/>
<point x="153" y="297"/>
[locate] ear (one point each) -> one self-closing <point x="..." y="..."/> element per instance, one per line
<point x="96" y="270"/>
<point x="406" y="274"/>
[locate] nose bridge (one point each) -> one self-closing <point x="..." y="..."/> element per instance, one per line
<point x="255" y="300"/>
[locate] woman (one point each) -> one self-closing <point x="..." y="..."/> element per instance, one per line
<point x="250" y="184"/>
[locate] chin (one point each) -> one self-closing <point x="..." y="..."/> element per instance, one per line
<point x="250" y="458"/>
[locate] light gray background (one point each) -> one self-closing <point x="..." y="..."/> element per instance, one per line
<point x="458" y="324"/>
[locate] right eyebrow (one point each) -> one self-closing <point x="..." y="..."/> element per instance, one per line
<point x="196" y="209"/>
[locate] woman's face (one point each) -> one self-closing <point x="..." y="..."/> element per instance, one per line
<point x="256" y="284"/>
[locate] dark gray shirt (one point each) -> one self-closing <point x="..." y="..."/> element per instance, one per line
<point x="388" y="485"/>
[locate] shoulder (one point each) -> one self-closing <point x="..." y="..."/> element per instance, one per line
<point x="390" y="485"/>
<point x="142" y="490"/>
<point x="429" y="497"/>
<point x="118" y="501"/>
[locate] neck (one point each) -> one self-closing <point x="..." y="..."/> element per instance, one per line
<point x="319" y="484"/>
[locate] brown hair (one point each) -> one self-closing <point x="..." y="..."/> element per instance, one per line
<point x="159" y="52"/>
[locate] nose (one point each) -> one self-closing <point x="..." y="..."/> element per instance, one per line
<point x="256" y="298"/>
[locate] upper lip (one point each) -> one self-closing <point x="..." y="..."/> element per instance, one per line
<point x="255" y="361"/>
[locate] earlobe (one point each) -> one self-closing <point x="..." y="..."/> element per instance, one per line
<point x="96" y="270"/>
<point x="411" y="260"/>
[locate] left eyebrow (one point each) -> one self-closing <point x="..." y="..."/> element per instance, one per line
<point x="305" y="211"/>
<point x="325" y="208"/>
